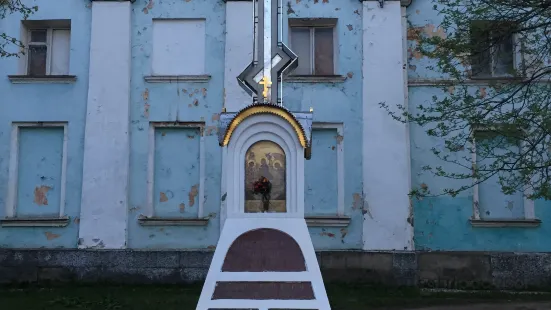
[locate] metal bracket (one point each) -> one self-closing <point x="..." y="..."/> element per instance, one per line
<point x="382" y="3"/>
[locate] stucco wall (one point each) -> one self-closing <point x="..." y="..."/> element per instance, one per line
<point x="334" y="103"/>
<point x="46" y="102"/>
<point x="201" y="102"/>
<point x="175" y="102"/>
<point x="439" y="223"/>
<point x="442" y="223"/>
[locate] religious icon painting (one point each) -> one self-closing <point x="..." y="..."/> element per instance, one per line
<point x="265" y="189"/>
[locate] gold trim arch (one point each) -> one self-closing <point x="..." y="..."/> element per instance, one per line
<point x="265" y="109"/>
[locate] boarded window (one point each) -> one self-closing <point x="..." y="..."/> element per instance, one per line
<point x="493" y="202"/>
<point x="265" y="159"/>
<point x="178" y="47"/>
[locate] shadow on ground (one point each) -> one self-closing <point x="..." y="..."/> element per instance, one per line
<point x="341" y="296"/>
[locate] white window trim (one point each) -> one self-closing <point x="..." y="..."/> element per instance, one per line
<point x="340" y="160"/>
<point x="529" y="213"/>
<point x="313" y="44"/>
<point x="48" y="44"/>
<point x="11" y="204"/>
<point x="150" y="209"/>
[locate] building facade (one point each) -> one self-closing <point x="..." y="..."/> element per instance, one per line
<point x="109" y="129"/>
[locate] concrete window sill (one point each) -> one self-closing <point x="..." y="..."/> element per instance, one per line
<point x="315" y="79"/>
<point x="497" y="78"/>
<point x="177" y="78"/>
<point x="29" y="79"/>
<point x="413" y="81"/>
<point x="506" y="223"/>
<point x="34" y="222"/>
<point x="171" y="221"/>
<point x="327" y="221"/>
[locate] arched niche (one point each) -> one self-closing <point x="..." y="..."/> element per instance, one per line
<point x="267" y="128"/>
<point x="265" y="159"/>
<point x="264" y="250"/>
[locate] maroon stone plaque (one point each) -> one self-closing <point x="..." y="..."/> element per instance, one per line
<point x="264" y="290"/>
<point x="264" y="250"/>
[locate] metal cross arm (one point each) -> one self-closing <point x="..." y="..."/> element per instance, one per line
<point x="272" y="59"/>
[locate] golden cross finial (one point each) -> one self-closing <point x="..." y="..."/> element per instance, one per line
<point x="266" y="83"/>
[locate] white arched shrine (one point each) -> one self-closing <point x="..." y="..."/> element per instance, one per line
<point x="255" y="129"/>
<point x="264" y="260"/>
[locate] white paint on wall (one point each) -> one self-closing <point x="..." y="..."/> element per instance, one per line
<point x="104" y="199"/>
<point x="386" y="162"/>
<point x="239" y="52"/>
<point x="178" y="47"/>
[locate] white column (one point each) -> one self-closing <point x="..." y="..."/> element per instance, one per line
<point x="386" y="160"/>
<point x="104" y="201"/>
<point x="239" y="52"/>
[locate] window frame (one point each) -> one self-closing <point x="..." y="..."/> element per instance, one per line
<point x="528" y="204"/>
<point x="517" y="56"/>
<point x="311" y="24"/>
<point x="48" y="44"/>
<point x="50" y="25"/>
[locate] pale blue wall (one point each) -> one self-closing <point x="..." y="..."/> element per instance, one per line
<point x="320" y="174"/>
<point x="338" y="102"/>
<point x="46" y="102"/>
<point x="171" y="102"/>
<point x="160" y="102"/>
<point x="442" y="223"/>
<point x="39" y="171"/>
<point x="176" y="178"/>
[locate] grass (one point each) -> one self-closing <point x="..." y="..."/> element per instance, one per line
<point x="341" y="296"/>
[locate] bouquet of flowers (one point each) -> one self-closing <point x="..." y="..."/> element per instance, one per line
<point x="263" y="187"/>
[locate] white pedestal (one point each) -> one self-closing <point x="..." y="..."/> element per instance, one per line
<point x="234" y="228"/>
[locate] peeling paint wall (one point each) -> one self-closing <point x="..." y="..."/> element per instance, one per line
<point x="321" y="184"/>
<point x="177" y="178"/>
<point x="335" y="103"/>
<point x="39" y="172"/>
<point x="39" y="166"/>
<point x="439" y="223"/>
<point x="201" y="102"/>
<point x="442" y="223"/>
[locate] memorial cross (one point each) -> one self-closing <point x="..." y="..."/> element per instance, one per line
<point x="271" y="57"/>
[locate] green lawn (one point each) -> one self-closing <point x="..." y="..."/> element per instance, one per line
<point x="184" y="297"/>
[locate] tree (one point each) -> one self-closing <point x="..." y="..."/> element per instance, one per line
<point x="8" y="7"/>
<point x="494" y="57"/>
